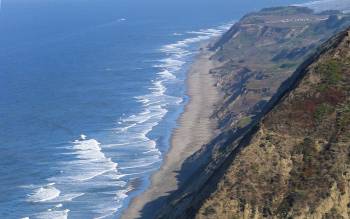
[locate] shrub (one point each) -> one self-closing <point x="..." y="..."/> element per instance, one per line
<point x="244" y="122"/>
<point x="344" y="119"/>
<point x="330" y="71"/>
<point x="288" y="65"/>
<point x="322" y="110"/>
<point x="322" y="87"/>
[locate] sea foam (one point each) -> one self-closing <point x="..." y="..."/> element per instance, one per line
<point x="91" y="171"/>
<point x="45" y="193"/>
<point x="133" y="131"/>
<point x="52" y="214"/>
<point x="87" y="169"/>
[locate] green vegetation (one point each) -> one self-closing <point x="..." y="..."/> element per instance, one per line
<point x="284" y="11"/>
<point x="330" y="71"/>
<point x="307" y="149"/>
<point x="288" y="65"/>
<point x="322" y="87"/>
<point x="331" y="74"/>
<point x="209" y="211"/>
<point x="322" y="111"/>
<point x="333" y="214"/>
<point x="244" y="122"/>
<point x="287" y="204"/>
<point x="344" y="118"/>
<point x="255" y="168"/>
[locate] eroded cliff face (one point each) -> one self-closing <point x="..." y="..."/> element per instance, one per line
<point x="261" y="51"/>
<point x="254" y="58"/>
<point x="289" y="155"/>
<point x="297" y="163"/>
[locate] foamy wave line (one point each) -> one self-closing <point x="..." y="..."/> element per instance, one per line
<point x="43" y="194"/>
<point x="88" y="167"/>
<point x="179" y="50"/>
<point x="155" y="104"/>
<point x="133" y="130"/>
<point x="89" y="162"/>
<point x="53" y="214"/>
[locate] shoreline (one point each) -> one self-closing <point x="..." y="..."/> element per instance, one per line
<point x="195" y="128"/>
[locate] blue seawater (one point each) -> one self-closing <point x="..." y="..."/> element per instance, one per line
<point x="90" y="91"/>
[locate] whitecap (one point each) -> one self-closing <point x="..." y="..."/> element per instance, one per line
<point x="122" y="194"/>
<point x="166" y="74"/>
<point x="88" y="166"/>
<point x="139" y="165"/>
<point x="43" y="194"/>
<point x="53" y="214"/>
<point x="67" y="197"/>
<point x="89" y="162"/>
<point x="177" y="34"/>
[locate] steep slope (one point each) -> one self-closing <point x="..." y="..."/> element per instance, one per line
<point x="291" y="161"/>
<point x="297" y="162"/>
<point x="261" y="51"/>
<point x="254" y="58"/>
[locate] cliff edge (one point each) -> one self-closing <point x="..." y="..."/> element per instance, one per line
<point x="296" y="162"/>
<point x="291" y="157"/>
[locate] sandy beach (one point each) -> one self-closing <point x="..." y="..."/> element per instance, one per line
<point x="195" y="129"/>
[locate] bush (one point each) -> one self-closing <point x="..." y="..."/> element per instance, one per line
<point x="344" y="119"/>
<point x="330" y="71"/>
<point x="322" y="111"/>
<point x="244" y="122"/>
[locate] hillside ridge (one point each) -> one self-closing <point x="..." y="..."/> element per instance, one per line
<point x="260" y="60"/>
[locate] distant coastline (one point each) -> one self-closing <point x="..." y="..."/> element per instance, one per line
<point x="196" y="128"/>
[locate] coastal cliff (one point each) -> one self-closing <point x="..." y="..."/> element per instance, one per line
<point x="283" y="150"/>
<point x="261" y="51"/>
<point x="295" y="162"/>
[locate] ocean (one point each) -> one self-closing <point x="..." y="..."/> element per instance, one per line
<point x="90" y="92"/>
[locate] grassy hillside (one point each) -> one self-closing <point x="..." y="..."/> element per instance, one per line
<point x="263" y="50"/>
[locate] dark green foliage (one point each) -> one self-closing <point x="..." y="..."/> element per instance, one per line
<point x="330" y="71"/>
<point x="322" y="111"/>
<point x="288" y="65"/>
<point x="322" y="87"/>
<point x="333" y="214"/>
<point x="305" y="148"/>
<point x="288" y="203"/>
<point x="244" y="122"/>
<point x="283" y="11"/>
<point x="209" y="211"/>
<point x="304" y="176"/>
<point x="344" y="118"/>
